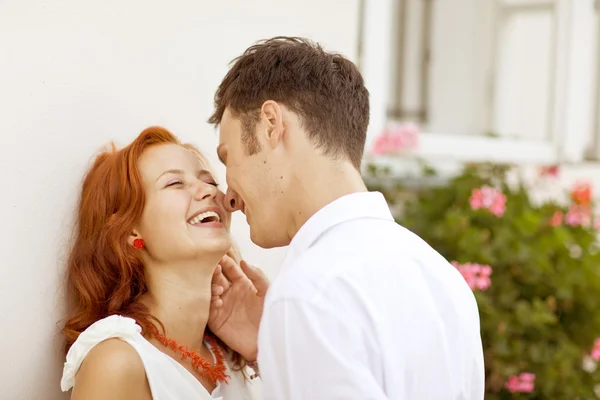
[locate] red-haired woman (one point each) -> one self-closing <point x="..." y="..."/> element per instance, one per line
<point x="150" y="232"/>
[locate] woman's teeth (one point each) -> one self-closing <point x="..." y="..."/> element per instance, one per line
<point x="208" y="216"/>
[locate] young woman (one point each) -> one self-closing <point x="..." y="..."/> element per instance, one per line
<point x="151" y="230"/>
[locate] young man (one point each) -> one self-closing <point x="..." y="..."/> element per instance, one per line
<point x="362" y="308"/>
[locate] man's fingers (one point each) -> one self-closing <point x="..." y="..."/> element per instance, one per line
<point x="217" y="290"/>
<point x="217" y="303"/>
<point x="230" y="269"/>
<point x="219" y="279"/>
<point x="257" y="276"/>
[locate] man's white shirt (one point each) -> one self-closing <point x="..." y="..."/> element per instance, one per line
<point x="364" y="309"/>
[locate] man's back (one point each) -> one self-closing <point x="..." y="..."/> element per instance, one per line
<point x="365" y="309"/>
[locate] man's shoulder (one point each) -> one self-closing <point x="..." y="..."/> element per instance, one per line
<point x="352" y="254"/>
<point x="325" y="267"/>
<point x="359" y="244"/>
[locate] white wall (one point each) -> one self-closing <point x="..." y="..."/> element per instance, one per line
<point x="77" y="74"/>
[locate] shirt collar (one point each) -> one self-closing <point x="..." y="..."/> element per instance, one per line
<point x="345" y="208"/>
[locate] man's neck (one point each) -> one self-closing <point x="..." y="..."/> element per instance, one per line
<point x="315" y="187"/>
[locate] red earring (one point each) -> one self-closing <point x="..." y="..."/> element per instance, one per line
<point x="138" y="243"/>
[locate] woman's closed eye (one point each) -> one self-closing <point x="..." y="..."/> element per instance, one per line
<point x="174" y="183"/>
<point x="178" y="182"/>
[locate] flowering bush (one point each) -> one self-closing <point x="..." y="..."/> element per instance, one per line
<point x="534" y="269"/>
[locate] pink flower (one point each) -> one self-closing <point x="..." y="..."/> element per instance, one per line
<point x="396" y="138"/>
<point x="581" y="193"/>
<point x="524" y="383"/>
<point x="557" y="218"/>
<point x="550" y="170"/>
<point x="477" y="276"/>
<point x="488" y="198"/>
<point x="596" y="350"/>
<point x="381" y="145"/>
<point x="527" y="377"/>
<point x="513" y="384"/>
<point x="578" y="216"/>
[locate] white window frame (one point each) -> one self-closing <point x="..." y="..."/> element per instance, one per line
<point x="575" y="96"/>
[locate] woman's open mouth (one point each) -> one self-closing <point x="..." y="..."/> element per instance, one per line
<point x="206" y="219"/>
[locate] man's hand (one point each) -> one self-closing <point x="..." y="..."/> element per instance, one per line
<point x="237" y="304"/>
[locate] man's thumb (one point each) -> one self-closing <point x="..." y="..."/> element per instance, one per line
<point x="257" y="276"/>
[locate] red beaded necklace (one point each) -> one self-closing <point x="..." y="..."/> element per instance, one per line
<point x="214" y="372"/>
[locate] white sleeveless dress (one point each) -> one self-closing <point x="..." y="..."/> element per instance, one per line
<point x="168" y="379"/>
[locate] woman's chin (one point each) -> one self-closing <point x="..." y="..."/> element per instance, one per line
<point x="214" y="247"/>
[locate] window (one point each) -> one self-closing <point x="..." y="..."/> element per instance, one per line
<point x="498" y="80"/>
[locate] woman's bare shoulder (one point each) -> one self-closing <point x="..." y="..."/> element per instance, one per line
<point x="112" y="369"/>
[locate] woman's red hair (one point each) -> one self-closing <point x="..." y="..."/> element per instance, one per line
<point x="105" y="275"/>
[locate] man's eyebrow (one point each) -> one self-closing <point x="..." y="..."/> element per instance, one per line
<point x="219" y="153"/>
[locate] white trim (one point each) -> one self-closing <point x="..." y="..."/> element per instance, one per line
<point x="444" y="147"/>
<point x="526" y="3"/>
<point x="578" y="122"/>
<point x="481" y="148"/>
<point x="595" y="143"/>
<point x="376" y="61"/>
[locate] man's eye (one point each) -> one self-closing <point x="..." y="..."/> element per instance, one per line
<point x="213" y="183"/>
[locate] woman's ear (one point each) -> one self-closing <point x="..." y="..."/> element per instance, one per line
<point x="133" y="236"/>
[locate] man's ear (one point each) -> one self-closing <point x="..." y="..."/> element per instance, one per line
<point x="272" y="114"/>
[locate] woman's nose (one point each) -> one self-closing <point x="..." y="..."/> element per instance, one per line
<point x="205" y="191"/>
<point x="232" y="201"/>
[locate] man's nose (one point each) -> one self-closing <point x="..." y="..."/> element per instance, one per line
<point x="233" y="201"/>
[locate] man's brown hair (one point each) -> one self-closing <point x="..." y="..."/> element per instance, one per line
<point x="325" y="89"/>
